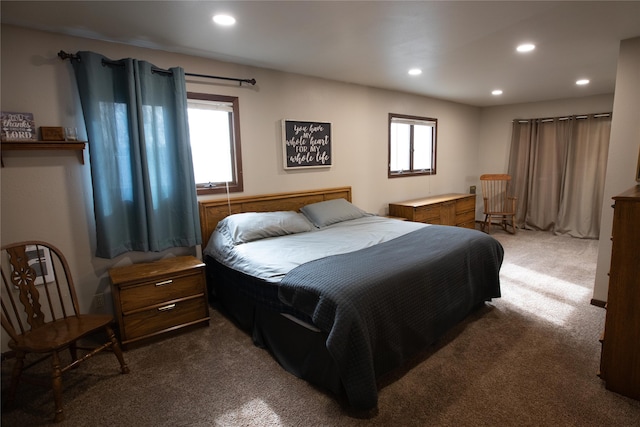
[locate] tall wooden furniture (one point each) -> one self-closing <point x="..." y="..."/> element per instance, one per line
<point x="41" y="315"/>
<point x="154" y="298"/>
<point x="498" y="201"/>
<point x="620" y="362"/>
<point x="445" y="209"/>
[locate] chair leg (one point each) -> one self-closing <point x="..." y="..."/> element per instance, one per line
<point x="115" y="346"/>
<point x="73" y="350"/>
<point x="15" y="378"/>
<point x="487" y="220"/>
<point x="56" y="378"/>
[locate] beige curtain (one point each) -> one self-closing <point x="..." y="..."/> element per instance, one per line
<point x="558" y="168"/>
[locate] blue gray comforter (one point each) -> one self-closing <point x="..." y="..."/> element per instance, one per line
<point x="382" y="304"/>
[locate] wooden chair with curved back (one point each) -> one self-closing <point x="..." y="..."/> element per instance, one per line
<point x="40" y="313"/>
<point x="498" y="202"/>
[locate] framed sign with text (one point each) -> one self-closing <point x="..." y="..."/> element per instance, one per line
<point x="51" y="133"/>
<point x="17" y="127"/>
<point x="306" y="144"/>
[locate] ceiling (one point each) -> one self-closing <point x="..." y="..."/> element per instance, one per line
<point x="465" y="49"/>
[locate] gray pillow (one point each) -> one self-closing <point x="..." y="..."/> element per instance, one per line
<point x="249" y="226"/>
<point x="332" y="211"/>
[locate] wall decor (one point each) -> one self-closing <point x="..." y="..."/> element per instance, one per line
<point x="306" y="144"/>
<point x="71" y="133"/>
<point x="17" y="126"/>
<point x="50" y="133"/>
<point x="40" y="260"/>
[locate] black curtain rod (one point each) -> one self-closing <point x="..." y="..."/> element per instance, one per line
<point x="64" y="55"/>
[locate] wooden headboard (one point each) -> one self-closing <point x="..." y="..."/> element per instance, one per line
<point x="212" y="211"/>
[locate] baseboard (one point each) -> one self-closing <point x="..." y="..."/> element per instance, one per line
<point x="598" y="303"/>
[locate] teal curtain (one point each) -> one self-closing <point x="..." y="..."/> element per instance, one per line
<point x="143" y="186"/>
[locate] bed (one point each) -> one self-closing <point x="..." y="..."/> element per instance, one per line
<point x="338" y="296"/>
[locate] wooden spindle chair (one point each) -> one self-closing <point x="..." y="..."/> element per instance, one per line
<point x="40" y="314"/>
<point x="498" y="202"/>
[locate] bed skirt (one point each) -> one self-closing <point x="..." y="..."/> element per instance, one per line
<point x="297" y="348"/>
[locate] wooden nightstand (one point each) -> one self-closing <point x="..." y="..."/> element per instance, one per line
<point x="154" y="298"/>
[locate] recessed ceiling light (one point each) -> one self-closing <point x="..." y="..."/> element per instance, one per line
<point x="527" y="47"/>
<point x="225" y="20"/>
<point x="582" y="82"/>
<point x="415" y="71"/>
<point x="496" y="92"/>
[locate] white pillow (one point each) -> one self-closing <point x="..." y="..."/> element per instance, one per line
<point x="249" y="226"/>
<point x="332" y="211"/>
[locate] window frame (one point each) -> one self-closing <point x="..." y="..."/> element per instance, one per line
<point x="411" y="171"/>
<point x="236" y="185"/>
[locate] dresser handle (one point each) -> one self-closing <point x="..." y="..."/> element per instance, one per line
<point x="166" y="282"/>
<point x="167" y="307"/>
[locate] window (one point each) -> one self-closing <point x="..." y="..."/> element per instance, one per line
<point x="214" y="128"/>
<point x="412" y="145"/>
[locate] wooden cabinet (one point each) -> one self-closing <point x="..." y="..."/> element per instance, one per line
<point x="445" y="209"/>
<point x="151" y="299"/>
<point x="620" y="362"/>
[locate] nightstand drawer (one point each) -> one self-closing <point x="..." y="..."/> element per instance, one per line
<point x="157" y="291"/>
<point x="164" y="317"/>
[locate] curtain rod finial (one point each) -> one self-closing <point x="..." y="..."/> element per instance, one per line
<point x="64" y="55"/>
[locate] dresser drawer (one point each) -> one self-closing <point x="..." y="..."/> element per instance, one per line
<point x="430" y="214"/>
<point x="157" y="319"/>
<point x="465" y="217"/>
<point x="466" y="204"/>
<point x="157" y="291"/>
<point x="468" y="224"/>
<point x="401" y="211"/>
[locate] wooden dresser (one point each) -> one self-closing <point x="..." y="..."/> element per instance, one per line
<point x="620" y="360"/>
<point x="445" y="209"/>
<point x="154" y="298"/>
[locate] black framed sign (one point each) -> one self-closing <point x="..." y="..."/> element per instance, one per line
<point x="306" y="144"/>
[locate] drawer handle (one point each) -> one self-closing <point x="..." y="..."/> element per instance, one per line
<point x="167" y="307"/>
<point x="166" y="282"/>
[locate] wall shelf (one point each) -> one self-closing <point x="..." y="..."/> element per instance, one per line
<point x="43" y="145"/>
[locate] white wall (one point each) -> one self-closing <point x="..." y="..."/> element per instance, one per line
<point x="48" y="195"/>
<point x="623" y="152"/>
